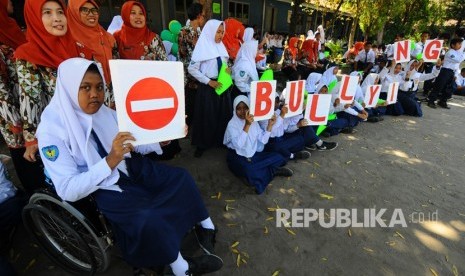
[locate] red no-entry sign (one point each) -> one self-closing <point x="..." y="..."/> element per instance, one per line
<point x="151" y="103"/>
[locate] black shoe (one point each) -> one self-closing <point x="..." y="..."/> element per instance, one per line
<point x="203" y="264"/>
<point x="283" y="171"/>
<point x="380" y="118"/>
<point x="432" y="105"/>
<point x="206" y="238"/>
<point x="373" y="119"/>
<point x="443" y="105"/>
<point x="302" y="155"/>
<point x="325" y="134"/>
<point x="311" y="147"/>
<point x="348" y="130"/>
<point x="327" y="146"/>
<point x="198" y="153"/>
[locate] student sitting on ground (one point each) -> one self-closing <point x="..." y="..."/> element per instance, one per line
<point x="334" y="127"/>
<point x="151" y="206"/>
<point x="246" y="141"/>
<point x="290" y="147"/>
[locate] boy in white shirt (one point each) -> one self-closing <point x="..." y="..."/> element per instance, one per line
<point x="452" y="61"/>
<point x="460" y="82"/>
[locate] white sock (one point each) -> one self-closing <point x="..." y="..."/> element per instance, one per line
<point x="180" y="266"/>
<point x="207" y="224"/>
<point x="319" y="143"/>
<point x="292" y="156"/>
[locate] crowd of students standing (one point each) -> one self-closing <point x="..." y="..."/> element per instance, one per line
<point x="257" y="151"/>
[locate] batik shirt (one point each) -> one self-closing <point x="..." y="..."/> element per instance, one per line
<point x="187" y="39"/>
<point x="155" y="51"/>
<point x="36" y="87"/>
<point x="10" y="119"/>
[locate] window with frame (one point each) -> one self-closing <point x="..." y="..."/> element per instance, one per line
<point x="240" y="11"/>
<point x="181" y="10"/>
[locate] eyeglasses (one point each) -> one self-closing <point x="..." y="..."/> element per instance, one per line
<point x="86" y="11"/>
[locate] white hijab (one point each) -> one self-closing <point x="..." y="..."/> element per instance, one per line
<point x="310" y="35"/>
<point x="116" y="24"/>
<point x="248" y="34"/>
<point x="322" y="33"/>
<point x="245" y="59"/>
<point x="64" y="118"/>
<point x="328" y="76"/>
<point x="312" y="82"/>
<point x="235" y="129"/>
<point x="206" y="47"/>
<point x="369" y="80"/>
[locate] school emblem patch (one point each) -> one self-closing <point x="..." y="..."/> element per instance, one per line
<point x="51" y="152"/>
<point x="242" y="73"/>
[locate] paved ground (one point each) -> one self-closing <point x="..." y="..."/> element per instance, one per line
<point x="414" y="165"/>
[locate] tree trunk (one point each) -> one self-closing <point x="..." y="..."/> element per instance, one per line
<point x="295" y="17"/>
<point x="353" y="28"/>
<point x="207" y="8"/>
<point x="333" y="20"/>
<point x="379" y="39"/>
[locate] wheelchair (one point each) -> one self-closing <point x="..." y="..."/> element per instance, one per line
<point x="76" y="236"/>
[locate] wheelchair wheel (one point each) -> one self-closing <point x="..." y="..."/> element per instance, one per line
<point x="66" y="235"/>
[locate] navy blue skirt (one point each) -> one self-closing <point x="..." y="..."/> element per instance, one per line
<point x="258" y="170"/>
<point x="158" y="206"/>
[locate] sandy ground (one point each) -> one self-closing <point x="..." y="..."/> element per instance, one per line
<point x="406" y="163"/>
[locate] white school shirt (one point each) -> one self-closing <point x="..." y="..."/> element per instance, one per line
<point x="363" y="56"/>
<point x="460" y="80"/>
<point x="290" y="124"/>
<point x="242" y="80"/>
<point x="453" y="58"/>
<point x="81" y="180"/>
<point x="390" y="78"/>
<point x="205" y="71"/>
<point x="390" y="51"/>
<point x="278" y="128"/>
<point x="414" y="80"/>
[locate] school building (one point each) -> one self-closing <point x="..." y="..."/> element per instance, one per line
<point x="266" y="15"/>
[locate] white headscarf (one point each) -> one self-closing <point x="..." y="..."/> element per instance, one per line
<point x="248" y="34"/>
<point x="369" y="80"/>
<point x="328" y="76"/>
<point x="116" y="24"/>
<point x="245" y="59"/>
<point x="358" y="92"/>
<point x="64" y="118"/>
<point x="206" y="47"/>
<point x="312" y="82"/>
<point x="322" y="33"/>
<point x="235" y="128"/>
<point x="310" y="35"/>
<point x="318" y="88"/>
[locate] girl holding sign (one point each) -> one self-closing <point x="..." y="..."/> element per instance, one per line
<point x="212" y="111"/>
<point x="246" y="141"/>
<point x="395" y="75"/>
<point x="49" y="43"/>
<point x="151" y="206"/>
<point x="83" y="16"/>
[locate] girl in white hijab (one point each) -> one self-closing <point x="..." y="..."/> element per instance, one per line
<point x="246" y="141"/>
<point x="312" y="82"/>
<point x="84" y="154"/>
<point x="329" y="77"/>
<point x="322" y="33"/>
<point x="212" y="111"/>
<point x="244" y="70"/>
<point x="374" y="113"/>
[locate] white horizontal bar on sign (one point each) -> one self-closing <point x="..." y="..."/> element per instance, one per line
<point x="148" y="105"/>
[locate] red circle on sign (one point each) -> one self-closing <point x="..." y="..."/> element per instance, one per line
<point x="151" y="103"/>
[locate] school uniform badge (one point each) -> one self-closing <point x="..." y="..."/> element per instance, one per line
<point x="51" y="152"/>
<point x="242" y="73"/>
